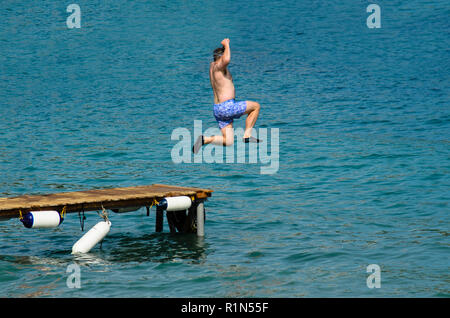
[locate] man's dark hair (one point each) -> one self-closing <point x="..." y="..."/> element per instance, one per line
<point x="218" y="53"/>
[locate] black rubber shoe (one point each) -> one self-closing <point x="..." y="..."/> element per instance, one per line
<point x="252" y="139"/>
<point x="198" y="144"/>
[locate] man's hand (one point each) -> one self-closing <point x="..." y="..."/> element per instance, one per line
<point x="225" y="42"/>
<point x="225" y="58"/>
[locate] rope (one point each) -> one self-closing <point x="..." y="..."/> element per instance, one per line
<point x="63" y="212"/>
<point x="104" y="214"/>
<point x="154" y="202"/>
<point x="20" y="215"/>
<point x="81" y="220"/>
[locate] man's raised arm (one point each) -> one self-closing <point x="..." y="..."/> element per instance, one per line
<point x="225" y="58"/>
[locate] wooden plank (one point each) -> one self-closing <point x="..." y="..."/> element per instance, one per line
<point x="92" y="200"/>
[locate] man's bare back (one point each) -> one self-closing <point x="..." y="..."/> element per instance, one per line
<point x="220" y="77"/>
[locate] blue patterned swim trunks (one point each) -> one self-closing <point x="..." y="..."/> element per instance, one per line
<point x="225" y="112"/>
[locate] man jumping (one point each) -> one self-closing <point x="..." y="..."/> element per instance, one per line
<point x="225" y="107"/>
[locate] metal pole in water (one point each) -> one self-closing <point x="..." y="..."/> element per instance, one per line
<point x="159" y="219"/>
<point x="200" y="219"/>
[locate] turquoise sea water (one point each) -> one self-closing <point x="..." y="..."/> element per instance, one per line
<point x="364" y="152"/>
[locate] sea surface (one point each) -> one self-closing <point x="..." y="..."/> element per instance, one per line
<point x="364" y="146"/>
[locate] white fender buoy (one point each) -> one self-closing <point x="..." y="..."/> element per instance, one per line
<point x="175" y="203"/>
<point x="92" y="237"/>
<point x="42" y="219"/>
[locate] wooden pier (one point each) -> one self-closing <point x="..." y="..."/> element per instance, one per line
<point x="112" y="199"/>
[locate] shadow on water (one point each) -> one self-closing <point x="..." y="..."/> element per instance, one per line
<point x="155" y="247"/>
<point x="121" y="248"/>
<point x="158" y="247"/>
<point x="25" y="260"/>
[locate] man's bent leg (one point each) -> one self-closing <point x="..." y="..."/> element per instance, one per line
<point x="252" y="112"/>
<point x="227" y="138"/>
